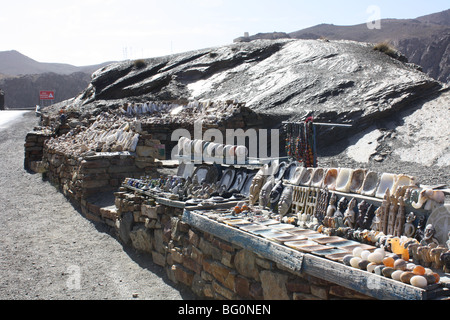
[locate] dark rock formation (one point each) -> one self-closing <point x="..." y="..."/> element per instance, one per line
<point x="2" y="100"/>
<point x="335" y="81"/>
<point x="432" y="54"/>
<point x="384" y="99"/>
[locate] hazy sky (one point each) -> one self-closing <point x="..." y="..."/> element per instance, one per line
<point x="84" y="32"/>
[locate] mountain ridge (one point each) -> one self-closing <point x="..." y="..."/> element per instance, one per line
<point x="21" y="79"/>
<point x="424" y="40"/>
<point x="23" y="91"/>
<point x="14" y="63"/>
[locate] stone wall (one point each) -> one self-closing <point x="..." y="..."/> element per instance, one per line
<point x="80" y="178"/>
<point x="211" y="267"/>
<point x="34" y="150"/>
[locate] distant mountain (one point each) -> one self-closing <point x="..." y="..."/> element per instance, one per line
<point x="442" y="18"/>
<point x="21" y="79"/>
<point x="425" y="41"/>
<point x="23" y="91"/>
<point x="14" y="63"/>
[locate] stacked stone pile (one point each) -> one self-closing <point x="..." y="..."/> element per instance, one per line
<point x="34" y="145"/>
<point x="163" y="113"/>
<point x="157" y="113"/>
<point x="95" y="159"/>
<point x="107" y="134"/>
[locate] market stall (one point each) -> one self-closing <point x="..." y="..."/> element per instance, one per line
<point x="382" y="234"/>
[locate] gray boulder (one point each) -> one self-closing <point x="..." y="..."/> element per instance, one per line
<point x="335" y="81"/>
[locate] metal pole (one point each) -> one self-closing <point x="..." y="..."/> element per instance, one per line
<point x="324" y="124"/>
<point x="332" y="124"/>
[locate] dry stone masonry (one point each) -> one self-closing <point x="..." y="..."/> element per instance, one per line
<point x="213" y="268"/>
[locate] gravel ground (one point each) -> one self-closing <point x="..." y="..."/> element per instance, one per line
<point x="49" y="251"/>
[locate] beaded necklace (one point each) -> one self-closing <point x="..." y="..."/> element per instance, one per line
<point x="301" y="142"/>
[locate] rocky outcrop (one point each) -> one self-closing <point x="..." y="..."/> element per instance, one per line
<point x="335" y="81"/>
<point x="414" y="141"/>
<point x="432" y="54"/>
<point x="342" y="82"/>
<point x="265" y="36"/>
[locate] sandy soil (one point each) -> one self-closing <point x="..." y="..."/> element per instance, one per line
<point x="48" y="250"/>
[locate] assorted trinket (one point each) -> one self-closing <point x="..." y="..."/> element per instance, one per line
<point x="384" y="236"/>
<point x="391" y="225"/>
<point x="301" y="142"/>
<point x="207" y="184"/>
<point x="108" y="133"/>
<point x="391" y="265"/>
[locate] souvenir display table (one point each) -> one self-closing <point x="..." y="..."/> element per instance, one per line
<point x="379" y="234"/>
<point x="231" y="225"/>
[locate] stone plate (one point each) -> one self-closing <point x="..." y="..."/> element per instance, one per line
<point x="326" y="252"/>
<point x="291" y="238"/>
<point x="290" y="171"/>
<point x="239" y="180"/>
<point x="337" y="256"/>
<point x="329" y="240"/>
<point x="361" y="245"/>
<point x="299" y="243"/>
<point x="345" y="243"/>
<point x="248" y="182"/>
<point x="269" y="222"/>
<point x="227" y="178"/>
<point x="283" y="226"/>
<point x="277" y="236"/>
<point x="313" y="248"/>
<point x="315" y="236"/>
<point x="302" y="231"/>
<point x="236" y="222"/>
<point x="260" y="232"/>
<point x="222" y="218"/>
<point x="252" y="227"/>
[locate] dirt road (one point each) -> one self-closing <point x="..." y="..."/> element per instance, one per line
<point x="48" y="250"/>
